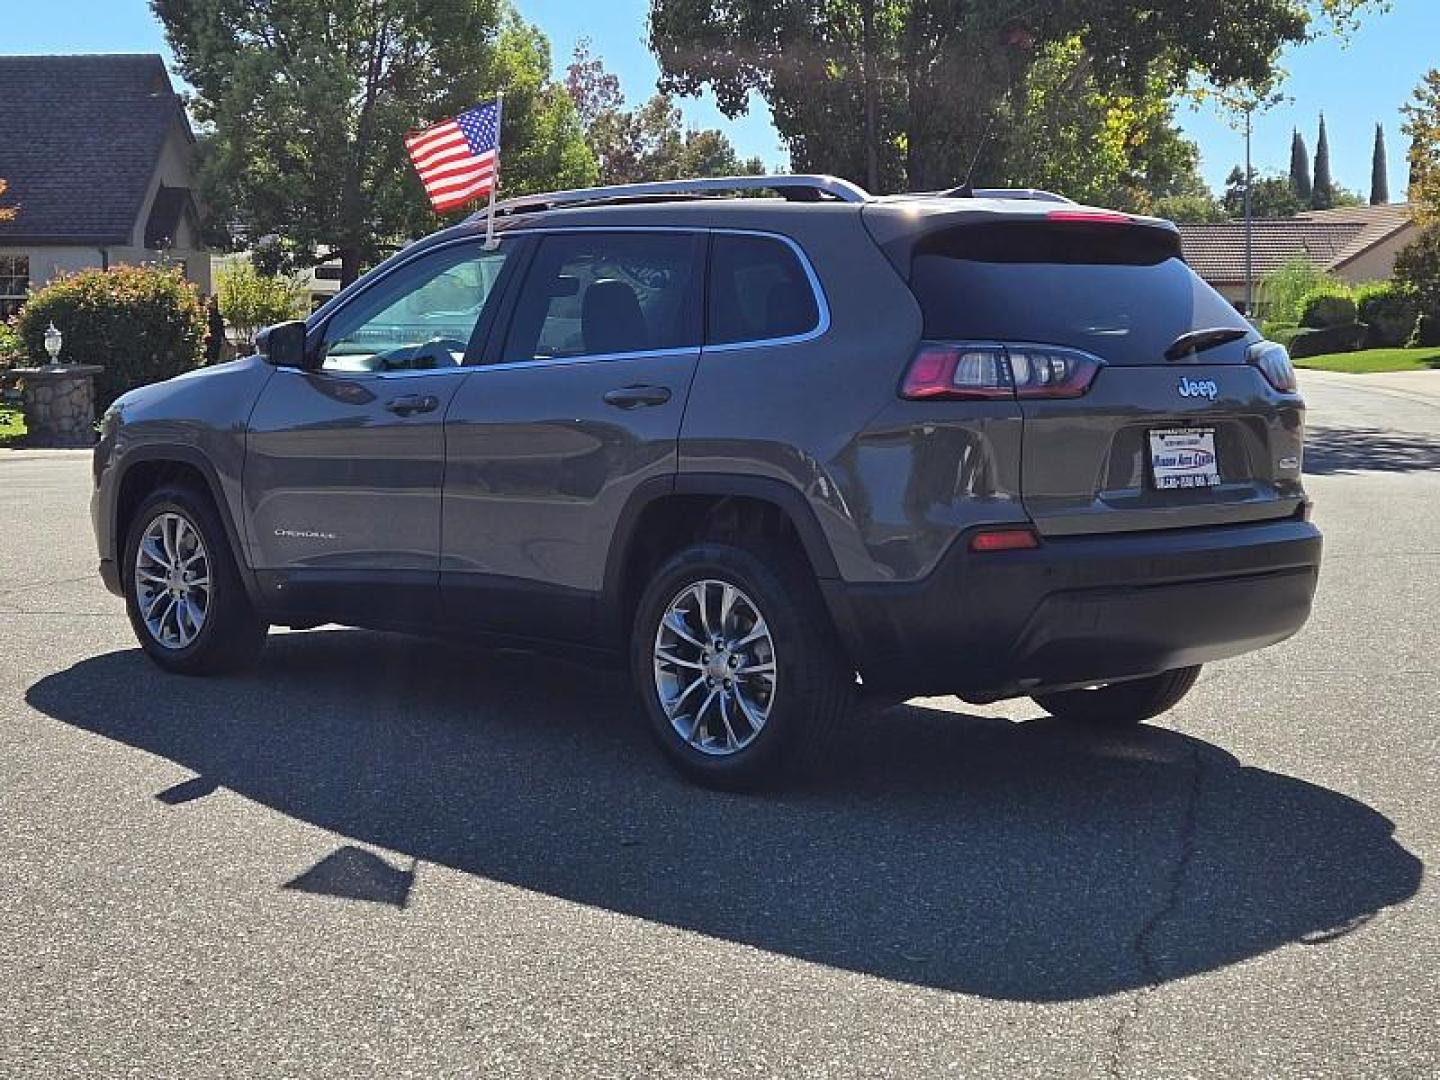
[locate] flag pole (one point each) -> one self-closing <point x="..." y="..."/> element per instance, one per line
<point x="490" y="242"/>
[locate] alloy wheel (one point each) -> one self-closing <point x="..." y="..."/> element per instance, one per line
<point x="714" y="664"/>
<point x="172" y="580"/>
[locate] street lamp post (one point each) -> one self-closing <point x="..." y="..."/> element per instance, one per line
<point x="1249" y="237"/>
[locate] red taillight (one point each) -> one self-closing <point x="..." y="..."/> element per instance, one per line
<point x="1089" y="217"/>
<point x="958" y="373"/>
<point x="952" y="371"/>
<point x="1004" y="540"/>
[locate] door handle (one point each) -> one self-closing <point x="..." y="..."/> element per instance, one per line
<point x="411" y="404"/>
<point x="633" y="397"/>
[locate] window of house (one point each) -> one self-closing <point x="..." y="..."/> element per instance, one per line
<point x="758" y="291"/>
<point x="14" y="283"/>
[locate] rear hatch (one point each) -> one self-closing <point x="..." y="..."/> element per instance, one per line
<point x="1164" y="436"/>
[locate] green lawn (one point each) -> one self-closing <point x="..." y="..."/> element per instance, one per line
<point x="12" y="425"/>
<point x="1371" y="360"/>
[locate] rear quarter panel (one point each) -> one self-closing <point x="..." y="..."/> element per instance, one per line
<point x="890" y="482"/>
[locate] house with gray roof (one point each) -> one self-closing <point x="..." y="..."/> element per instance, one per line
<point x="1354" y="243"/>
<point x="100" y="160"/>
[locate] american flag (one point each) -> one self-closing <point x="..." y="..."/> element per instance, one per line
<point x="458" y="159"/>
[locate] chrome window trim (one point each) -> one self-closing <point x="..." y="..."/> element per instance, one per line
<point x="822" y="305"/>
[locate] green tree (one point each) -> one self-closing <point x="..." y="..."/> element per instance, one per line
<point x="1299" y="167"/>
<point x="1270" y="196"/>
<point x="306" y="104"/>
<point x="1064" y="131"/>
<point x="1190" y="209"/>
<point x="1422" y="125"/>
<point x="647" y="143"/>
<point x="898" y="93"/>
<point x="250" y="301"/>
<point x="1418" y="266"/>
<point x="1379" y="171"/>
<point x="1322" y="191"/>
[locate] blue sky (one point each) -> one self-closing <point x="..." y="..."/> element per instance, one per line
<point x="1356" y="85"/>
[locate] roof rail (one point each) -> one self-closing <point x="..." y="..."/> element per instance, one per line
<point x="964" y="191"/>
<point x="795" y="188"/>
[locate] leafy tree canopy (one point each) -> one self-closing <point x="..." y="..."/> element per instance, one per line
<point x="897" y="93"/>
<point x="647" y="143"/>
<point x="1422" y="125"/>
<point x="306" y="104"/>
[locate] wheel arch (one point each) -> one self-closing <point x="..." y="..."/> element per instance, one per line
<point x="667" y="513"/>
<point x="146" y="469"/>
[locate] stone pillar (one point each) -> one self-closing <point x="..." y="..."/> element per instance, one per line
<point x="59" y="404"/>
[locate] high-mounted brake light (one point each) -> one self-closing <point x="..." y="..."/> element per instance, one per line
<point x="953" y="371"/>
<point x="1090" y="217"/>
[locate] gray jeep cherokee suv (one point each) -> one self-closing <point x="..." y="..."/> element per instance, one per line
<point x="781" y="452"/>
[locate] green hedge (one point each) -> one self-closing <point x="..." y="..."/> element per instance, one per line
<point x="1329" y="339"/>
<point x="1390" y="310"/>
<point x="1327" y="307"/>
<point x="142" y="324"/>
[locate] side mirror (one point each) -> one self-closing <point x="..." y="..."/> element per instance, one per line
<point x="283" y="345"/>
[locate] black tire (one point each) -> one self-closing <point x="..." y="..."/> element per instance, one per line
<point x="815" y="687"/>
<point x="1121" y="704"/>
<point x="232" y="634"/>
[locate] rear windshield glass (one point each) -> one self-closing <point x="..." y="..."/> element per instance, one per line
<point x="1121" y="293"/>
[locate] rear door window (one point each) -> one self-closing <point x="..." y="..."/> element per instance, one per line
<point x="1122" y="293"/>
<point x="758" y="291"/>
<point x="598" y="293"/>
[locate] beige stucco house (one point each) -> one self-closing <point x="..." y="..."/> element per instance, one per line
<point x="1355" y="243"/>
<point x="100" y="160"/>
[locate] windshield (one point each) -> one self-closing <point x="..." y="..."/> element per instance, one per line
<point x="1123" y="299"/>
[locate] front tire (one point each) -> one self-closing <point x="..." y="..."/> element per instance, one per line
<point x="1121" y="704"/>
<point x="183" y="593"/>
<point x="739" y="671"/>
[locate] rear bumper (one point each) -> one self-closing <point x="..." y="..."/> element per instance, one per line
<point x="1079" y="610"/>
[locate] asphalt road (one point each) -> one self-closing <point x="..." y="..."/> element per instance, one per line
<point x="375" y="856"/>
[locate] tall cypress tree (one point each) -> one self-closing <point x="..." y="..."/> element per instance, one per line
<point x="1299" y="167"/>
<point x="1379" y="174"/>
<point x="1322" y="192"/>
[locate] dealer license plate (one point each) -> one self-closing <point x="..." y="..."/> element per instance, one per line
<point x="1183" y="458"/>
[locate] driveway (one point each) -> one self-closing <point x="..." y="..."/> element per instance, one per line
<point x="379" y="855"/>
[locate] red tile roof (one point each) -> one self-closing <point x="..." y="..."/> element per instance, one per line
<point x="1327" y="238"/>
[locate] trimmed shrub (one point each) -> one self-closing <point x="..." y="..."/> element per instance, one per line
<point x="1390" y="310"/>
<point x="143" y="324"/>
<point x="1327" y="306"/>
<point x="1285" y="334"/>
<point x="1426" y="333"/>
<point x="1330" y="339"/>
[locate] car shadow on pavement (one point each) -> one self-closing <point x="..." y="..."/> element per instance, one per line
<point x="1024" y="861"/>
<point x="1341" y="450"/>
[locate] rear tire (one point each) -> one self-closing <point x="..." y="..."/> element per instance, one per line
<point x="800" y="702"/>
<point x="216" y="629"/>
<point x="1121" y="704"/>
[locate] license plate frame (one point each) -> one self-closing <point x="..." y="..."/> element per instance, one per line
<point x="1183" y="459"/>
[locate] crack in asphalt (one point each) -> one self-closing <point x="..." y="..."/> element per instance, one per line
<point x="1142" y="944"/>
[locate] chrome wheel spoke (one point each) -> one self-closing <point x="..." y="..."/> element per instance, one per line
<point x="172" y="580"/>
<point x="714" y="667"/>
